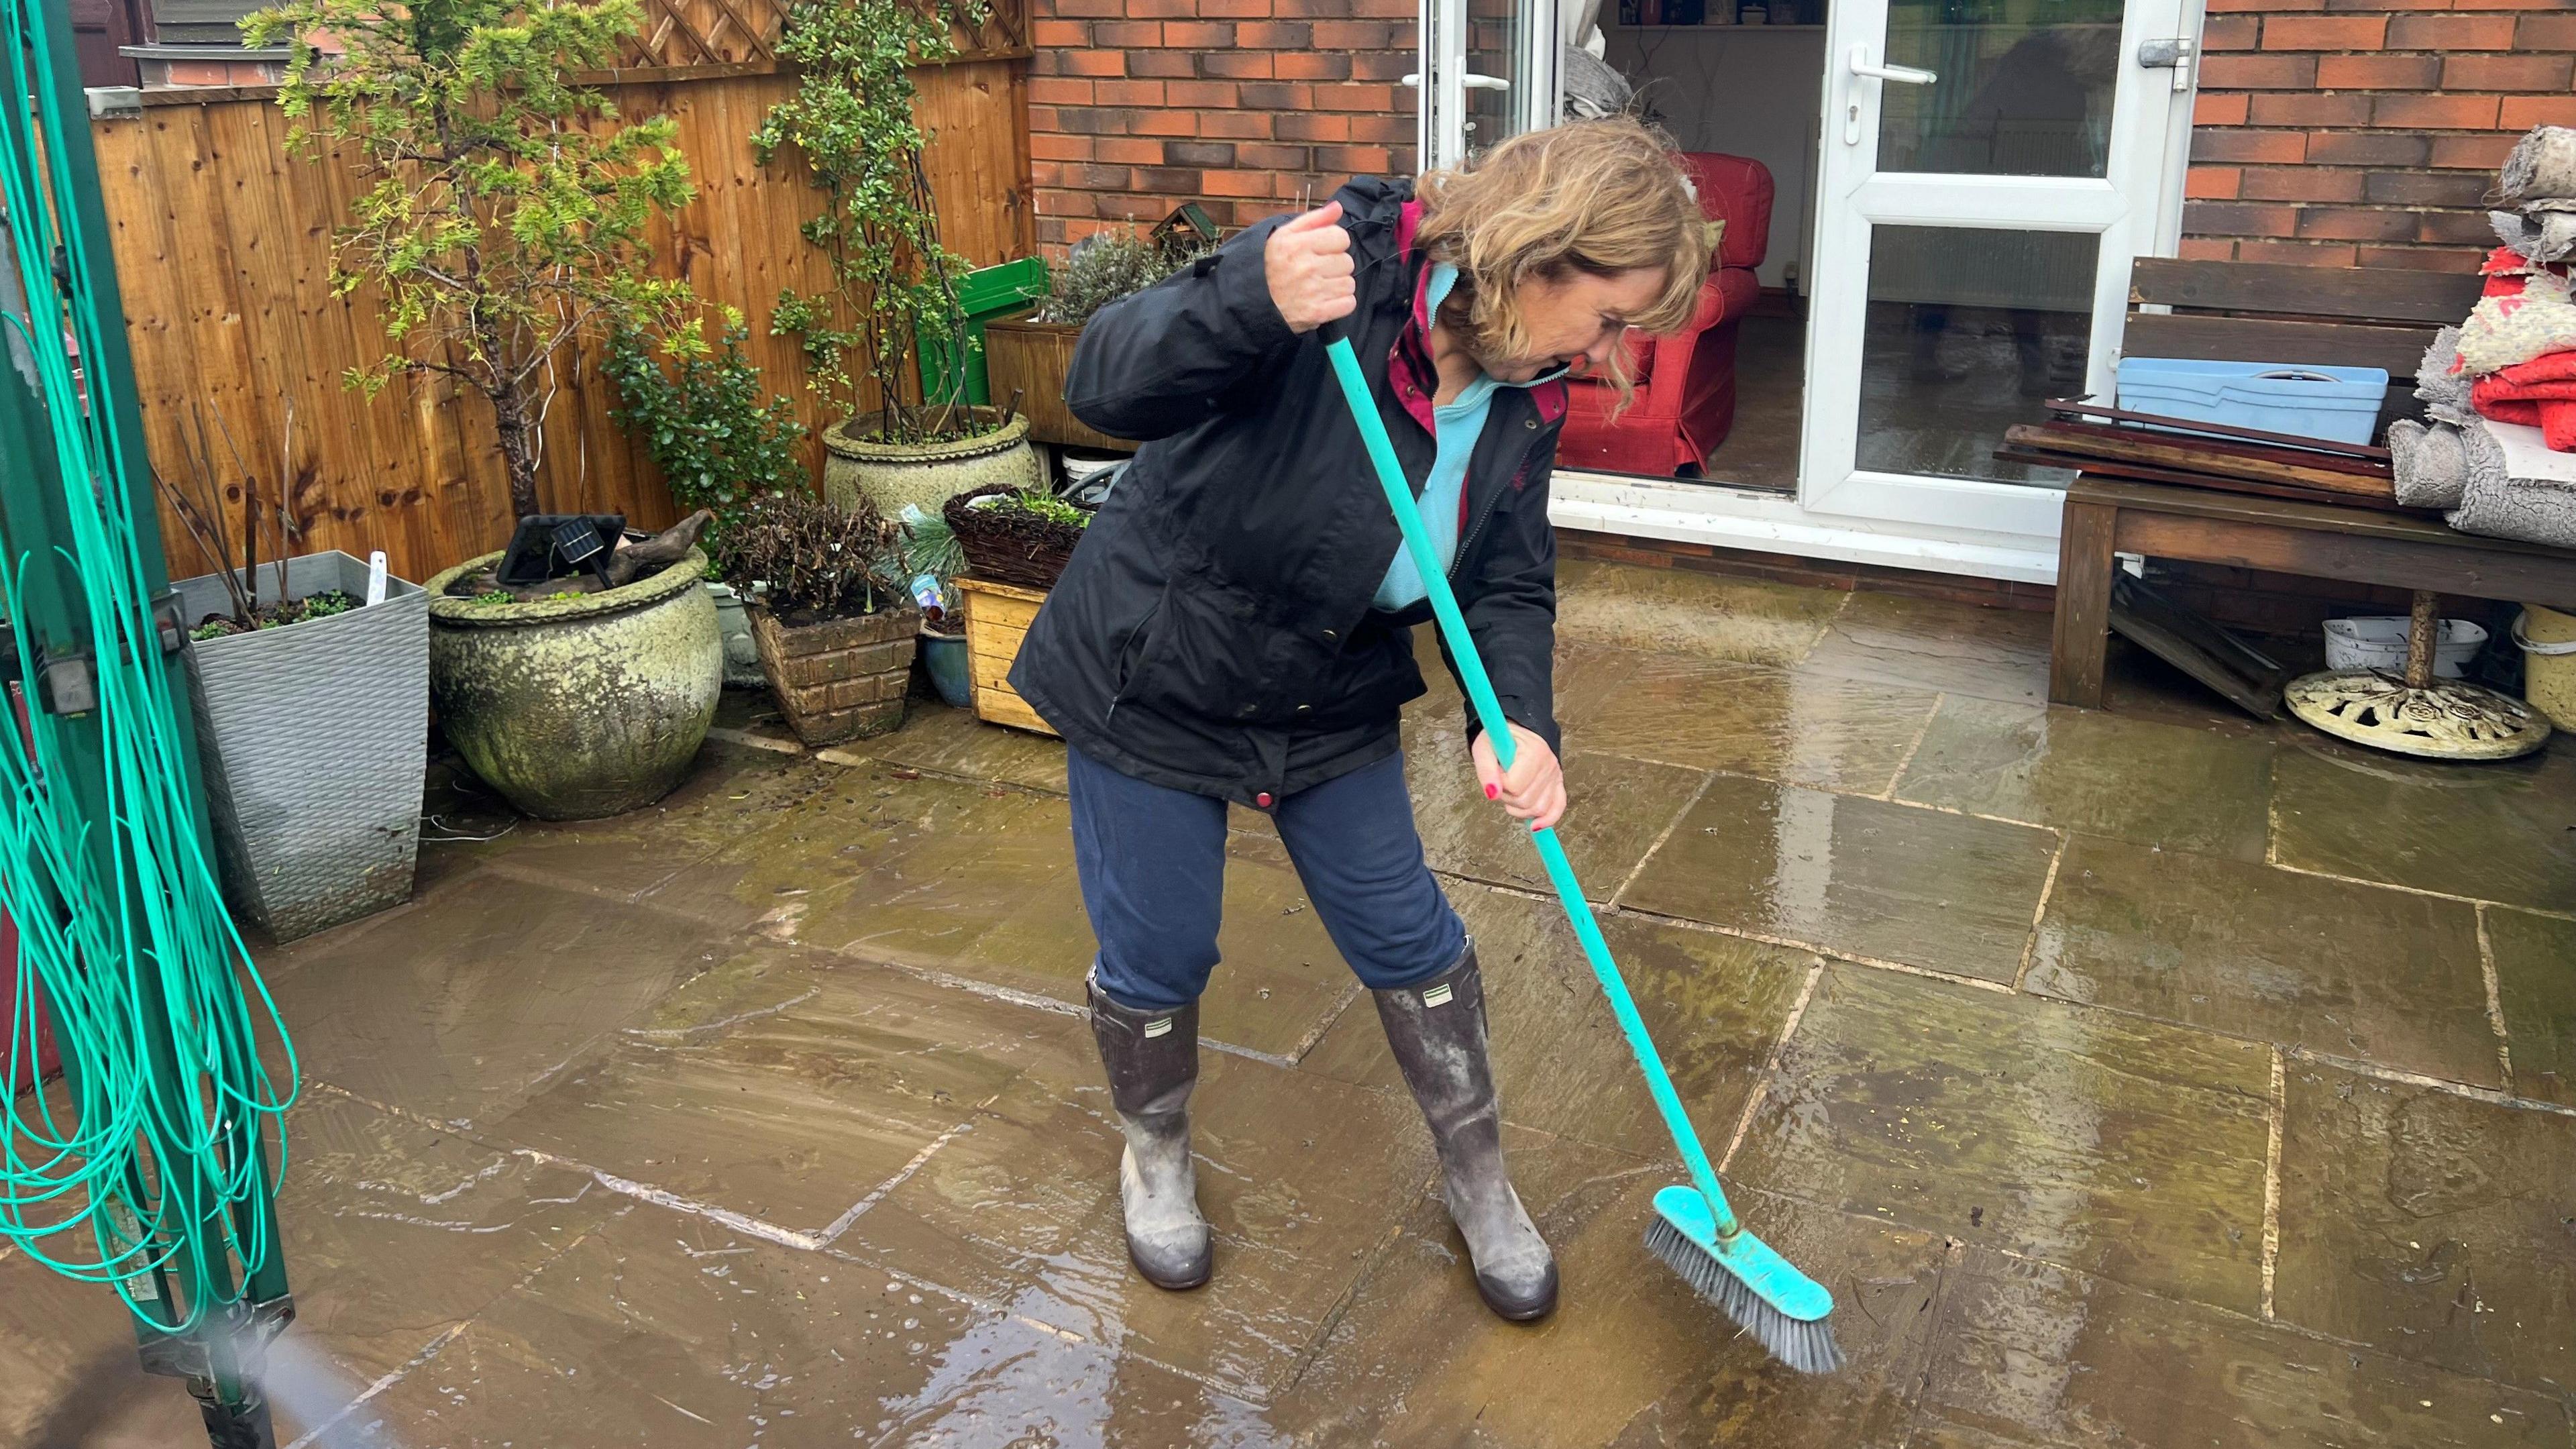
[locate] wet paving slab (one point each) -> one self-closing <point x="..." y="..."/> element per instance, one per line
<point x="787" y="1087"/>
<point x="2430" y="1226"/>
<point x="909" y="871"/>
<point x="458" y="1006"/>
<point x="2503" y="832"/>
<point x="937" y="740"/>
<point x="1749" y="720"/>
<point x="1583" y="672"/>
<point x="2107" y="1144"/>
<point x="1632" y="1357"/>
<point x="1625" y="808"/>
<point x="2337" y="967"/>
<point x="800" y="1047"/>
<point x="666" y="1330"/>
<point x="1853" y="876"/>
<point x="69" y="1376"/>
<point x="2535" y="965"/>
<point x="394" y="1234"/>
<point x="732" y="793"/>
<point x="1715" y="1005"/>
<point x="2104" y="774"/>
<point x="2032" y="1354"/>
<point x="1890" y="639"/>
<point x="1686" y="614"/>
<point x="1299" y="1177"/>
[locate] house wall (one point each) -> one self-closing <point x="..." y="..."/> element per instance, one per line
<point x="1246" y="106"/>
<point x="2366" y="132"/>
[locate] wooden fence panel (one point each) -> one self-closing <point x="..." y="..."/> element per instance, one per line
<point x="223" y="249"/>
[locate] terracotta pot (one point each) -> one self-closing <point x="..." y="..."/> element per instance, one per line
<point x="840" y="679"/>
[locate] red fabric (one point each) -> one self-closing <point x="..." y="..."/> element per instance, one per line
<point x="2539" y="394"/>
<point x="1685" y="384"/>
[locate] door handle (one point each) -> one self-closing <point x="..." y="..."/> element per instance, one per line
<point x="1472" y="82"/>
<point x="1862" y="66"/>
<point x="1901" y="74"/>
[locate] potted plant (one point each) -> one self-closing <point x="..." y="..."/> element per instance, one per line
<point x="829" y="607"/>
<point x="931" y="552"/>
<point x="718" y="436"/>
<point x="851" y="121"/>
<point x="1016" y="543"/>
<point x="502" y="221"/>
<point x="1030" y="356"/>
<point x="293" y="660"/>
<point x="1014" y="536"/>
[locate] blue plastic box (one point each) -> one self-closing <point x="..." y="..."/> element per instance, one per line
<point x="2340" y="403"/>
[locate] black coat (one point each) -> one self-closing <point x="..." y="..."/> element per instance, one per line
<point x="1214" y="631"/>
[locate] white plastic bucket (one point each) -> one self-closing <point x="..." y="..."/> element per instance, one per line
<point x="2380" y="643"/>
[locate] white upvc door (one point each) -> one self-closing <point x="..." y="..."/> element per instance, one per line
<point x="1989" y="169"/>
<point x="1973" y="237"/>
<point x="1488" y="71"/>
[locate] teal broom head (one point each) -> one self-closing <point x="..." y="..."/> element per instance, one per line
<point x="1763" y="1292"/>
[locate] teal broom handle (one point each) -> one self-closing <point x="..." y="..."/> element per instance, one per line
<point x="1489" y="711"/>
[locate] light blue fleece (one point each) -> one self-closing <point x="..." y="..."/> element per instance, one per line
<point x="1460" y="423"/>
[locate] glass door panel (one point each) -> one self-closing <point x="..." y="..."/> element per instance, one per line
<point x="1488" y="70"/>
<point x="1969" y="328"/>
<point x="1493" y="76"/>
<point x="1989" y="170"/>
<point x="2026" y="87"/>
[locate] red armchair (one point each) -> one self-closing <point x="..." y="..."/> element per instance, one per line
<point x="1685" y="399"/>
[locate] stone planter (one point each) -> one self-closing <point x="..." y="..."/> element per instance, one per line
<point x="314" y="737"/>
<point x="583" y="707"/>
<point x="928" y="474"/>
<point x="741" y="650"/>
<point x="841" y="679"/>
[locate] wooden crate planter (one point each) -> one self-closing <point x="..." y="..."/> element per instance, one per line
<point x="997" y="619"/>
<point x="1032" y="359"/>
<point x="842" y="679"/>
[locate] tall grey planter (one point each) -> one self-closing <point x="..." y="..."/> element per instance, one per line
<point x="314" y="737"/>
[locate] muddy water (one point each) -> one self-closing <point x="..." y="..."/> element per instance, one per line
<point x="2134" y="1079"/>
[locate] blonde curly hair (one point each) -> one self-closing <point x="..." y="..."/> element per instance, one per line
<point x="1600" y="197"/>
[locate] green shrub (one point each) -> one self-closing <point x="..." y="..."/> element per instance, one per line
<point x="707" y="419"/>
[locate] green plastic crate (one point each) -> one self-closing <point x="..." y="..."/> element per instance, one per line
<point x="985" y="295"/>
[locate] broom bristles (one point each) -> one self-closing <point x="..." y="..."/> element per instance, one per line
<point x="1804" y="1345"/>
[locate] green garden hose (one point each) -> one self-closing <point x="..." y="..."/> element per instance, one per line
<point x="150" y="1167"/>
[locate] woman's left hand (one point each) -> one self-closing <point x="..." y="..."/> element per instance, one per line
<point x="1534" y="789"/>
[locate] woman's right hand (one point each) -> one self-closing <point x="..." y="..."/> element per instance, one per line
<point x="1308" y="264"/>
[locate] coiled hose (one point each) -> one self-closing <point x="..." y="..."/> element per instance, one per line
<point x="149" y="1166"/>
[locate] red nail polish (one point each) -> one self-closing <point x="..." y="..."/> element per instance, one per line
<point x="1493" y="792"/>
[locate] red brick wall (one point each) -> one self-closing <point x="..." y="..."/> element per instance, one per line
<point x="2366" y="132"/>
<point x="1245" y="106"/>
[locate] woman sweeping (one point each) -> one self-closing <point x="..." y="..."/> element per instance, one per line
<point x="1237" y="625"/>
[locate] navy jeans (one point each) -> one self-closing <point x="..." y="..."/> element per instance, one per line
<point x="1152" y="863"/>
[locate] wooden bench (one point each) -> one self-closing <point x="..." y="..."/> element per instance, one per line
<point x="2327" y="316"/>
<point x="2356" y="545"/>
